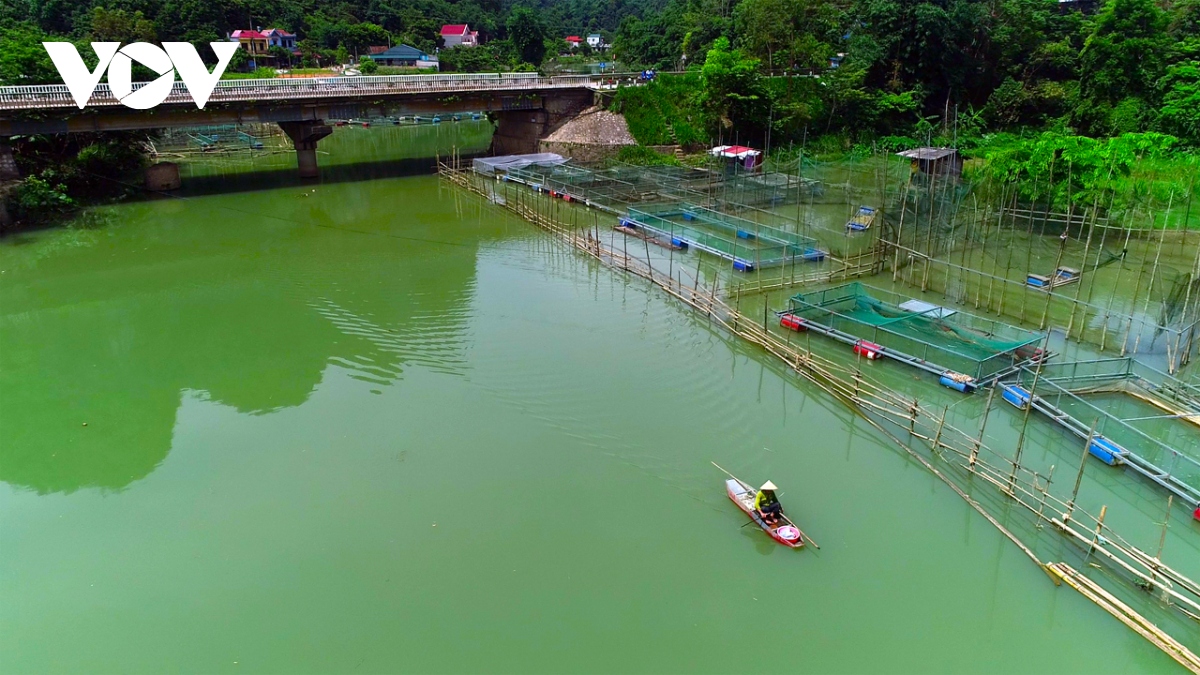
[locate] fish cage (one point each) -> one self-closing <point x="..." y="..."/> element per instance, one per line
<point x="746" y="244"/>
<point x="923" y="334"/>
<point x="512" y="163"/>
<point x="603" y="187"/>
<point x="222" y="137"/>
<point x="1127" y="375"/>
<point x="1134" y="415"/>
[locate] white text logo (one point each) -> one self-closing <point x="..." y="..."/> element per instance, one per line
<point x="118" y="60"/>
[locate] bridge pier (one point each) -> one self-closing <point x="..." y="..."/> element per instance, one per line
<point x="518" y="131"/>
<point x="8" y="166"/>
<point x="305" y="136"/>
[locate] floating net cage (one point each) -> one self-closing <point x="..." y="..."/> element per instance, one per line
<point x="956" y="340"/>
<point x="746" y="244"/>
<point x="217" y="137"/>
<point x="606" y="187"/>
<point x="815" y="200"/>
<point x="512" y="164"/>
<point x="1150" y="417"/>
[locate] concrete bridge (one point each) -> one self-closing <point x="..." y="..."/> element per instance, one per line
<point x="527" y="106"/>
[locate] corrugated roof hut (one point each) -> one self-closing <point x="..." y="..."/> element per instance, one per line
<point x="935" y="161"/>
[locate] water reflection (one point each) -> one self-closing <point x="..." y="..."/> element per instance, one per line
<point x="247" y="296"/>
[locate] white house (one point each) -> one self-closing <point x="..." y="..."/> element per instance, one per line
<point x="595" y="41"/>
<point x="459" y="35"/>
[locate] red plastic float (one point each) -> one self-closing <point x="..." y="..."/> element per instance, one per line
<point x="793" y="322"/>
<point x="1196" y="515"/>
<point x="868" y="349"/>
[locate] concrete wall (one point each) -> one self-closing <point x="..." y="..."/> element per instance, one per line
<point x="518" y="132"/>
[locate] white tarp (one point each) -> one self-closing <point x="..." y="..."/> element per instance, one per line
<point x="734" y="151"/>
<point x="928" y="309"/>
<point x="491" y="165"/>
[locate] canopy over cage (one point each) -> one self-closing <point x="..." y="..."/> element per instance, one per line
<point x="734" y="151"/>
<point x="963" y="342"/>
<point x="743" y="156"/>
<point x="504" y="163"/>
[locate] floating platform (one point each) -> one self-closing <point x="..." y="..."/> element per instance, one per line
<point x="862" y="220"/>
<point x="1061" y="277"/>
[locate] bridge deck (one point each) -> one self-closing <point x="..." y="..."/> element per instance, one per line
<point x="56" y="96"/>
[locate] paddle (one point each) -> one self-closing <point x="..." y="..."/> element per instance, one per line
<point x="789" y="520"/>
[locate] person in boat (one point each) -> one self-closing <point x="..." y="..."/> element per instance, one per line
<point x="767" y="505"/>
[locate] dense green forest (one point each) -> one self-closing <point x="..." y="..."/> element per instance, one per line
<point x="1124" y="66"/>
<point x="784" y="72"/>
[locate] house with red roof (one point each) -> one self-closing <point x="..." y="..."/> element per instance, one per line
<point x="278" y="37"/>
<point x="252" y="41"/>
<point x="574" y="41"/>
<point x="459" y="35"/>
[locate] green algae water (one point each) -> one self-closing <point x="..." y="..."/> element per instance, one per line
<point x="374" y="425"/>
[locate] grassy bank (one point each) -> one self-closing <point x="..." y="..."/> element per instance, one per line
<point x="664" y="112"/>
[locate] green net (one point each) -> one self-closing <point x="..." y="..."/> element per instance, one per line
<point x="950" y="338"/>
<point x="749" y="245"/>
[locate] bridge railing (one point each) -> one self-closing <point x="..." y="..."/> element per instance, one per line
<point x="48" y="96"/>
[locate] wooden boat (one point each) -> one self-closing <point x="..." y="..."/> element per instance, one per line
<point x="743" y="495"/>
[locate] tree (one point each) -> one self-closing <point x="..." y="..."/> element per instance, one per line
<point x="732" y="91"/>
<point x="528" y="35"/>
<point x="471" y="59"/>
<point x="23" y="60"/>
<point x="1180" y="112"/>
<point x="1122" y="59"/>
<point x="367" y="66"/>
<point x="786" y="33"/>
<point x="283" y="57"/>
<point x="360" y="36"/>
<point x="239" y="62"/>
<point x="117" y="25"/>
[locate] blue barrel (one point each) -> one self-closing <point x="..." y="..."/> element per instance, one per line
<point x="743" y="265"/>
<point x="814" y="254"/>
<point x="742" y="234"/>
<point x="1106" y="451"/>
<point x="675" y="241"/>
<point x="1016" y="396"/>
<point x="964" y="387"/>
<point x="688" y="215"/>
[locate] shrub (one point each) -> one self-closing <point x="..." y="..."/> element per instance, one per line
<point x="643" y="156"/>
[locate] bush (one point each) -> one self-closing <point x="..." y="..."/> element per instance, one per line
<point x="663" y="112"/>
<point x="367" y="66"/>
<point x="260" y="73"/>
<point x="643" y="156"/>
<point x="39" y="198"/>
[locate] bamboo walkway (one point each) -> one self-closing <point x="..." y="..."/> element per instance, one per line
<point x="955" y="456"/>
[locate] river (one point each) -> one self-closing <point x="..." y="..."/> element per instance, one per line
<point x="373" y="425"/>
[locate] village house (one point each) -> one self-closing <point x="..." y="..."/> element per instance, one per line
<point x="252" y="41"/>
<point x="278" y="37"/>
<point x="459" y="35"/>
<point x="406" y="57"/>
<point x="595" y="41"/>
<point x="573" y="41"/>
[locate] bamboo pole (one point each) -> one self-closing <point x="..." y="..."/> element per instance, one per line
<point x="1087" y="448"/>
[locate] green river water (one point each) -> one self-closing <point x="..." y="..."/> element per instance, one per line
<point x="374" y="425"/>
